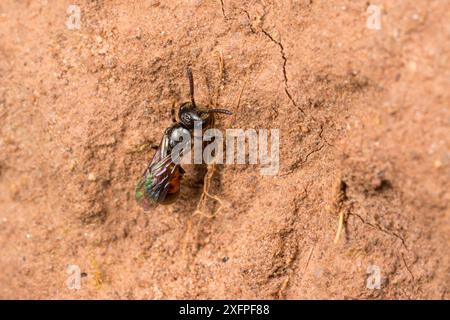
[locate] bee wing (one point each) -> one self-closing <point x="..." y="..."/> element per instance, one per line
<point x="152" y="188"/>
<point x="162" y="172"/>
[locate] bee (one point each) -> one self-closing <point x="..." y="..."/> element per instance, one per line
<point x="161" y="180"/>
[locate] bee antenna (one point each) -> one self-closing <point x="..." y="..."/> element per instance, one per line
<point x="225" y="111"/>
<point x="191" y="85"/>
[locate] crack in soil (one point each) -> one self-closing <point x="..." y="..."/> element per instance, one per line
<point x="249" y="20"/>
<point x="285" y="78"/>
<point x="299" y="162"/>
<point x="223" y="9"/>
<point x="287" y="91"/>
<point x="390" y="233"/>
<point x="283" y="57"/>
<point x="322" y="137"/>
<point x="378" y="227"/>
<point x="406" y="266"/>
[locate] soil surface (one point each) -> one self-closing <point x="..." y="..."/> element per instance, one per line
<point x="364" y="124"/>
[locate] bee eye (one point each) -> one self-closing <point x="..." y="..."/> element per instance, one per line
<point x="186" y="119"/>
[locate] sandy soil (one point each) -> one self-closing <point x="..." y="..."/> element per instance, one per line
<point x="364" y="132"/>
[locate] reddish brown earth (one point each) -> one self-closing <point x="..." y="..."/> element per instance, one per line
<point x="364" y="132"/>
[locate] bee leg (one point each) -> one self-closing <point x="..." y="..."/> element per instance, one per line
<point x="173" y="113"/>
<point x="155" y="146"/>
<point x="182" y="172"/>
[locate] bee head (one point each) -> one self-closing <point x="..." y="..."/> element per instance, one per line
<point x="188" y="114"/>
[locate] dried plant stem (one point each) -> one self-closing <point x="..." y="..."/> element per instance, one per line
<point x="340" y="225"/>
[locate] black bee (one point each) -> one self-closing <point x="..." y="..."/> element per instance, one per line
<point x="161" y="181"/>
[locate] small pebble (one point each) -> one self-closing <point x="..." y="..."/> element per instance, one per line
<point x="437" y="164"/>
<point x="412" y="66"/>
